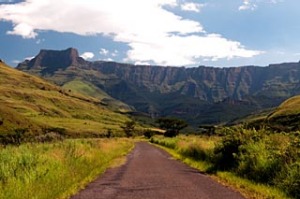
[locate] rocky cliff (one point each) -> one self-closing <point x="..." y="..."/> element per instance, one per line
<point x="201" y="94"/>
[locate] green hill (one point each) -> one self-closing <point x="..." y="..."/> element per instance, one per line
<point x="89" y="89"/>
<point x="36" y="106"/>
<point x="285" y="117"/>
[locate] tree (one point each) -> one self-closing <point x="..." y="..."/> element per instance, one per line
<point x="171" y="125"/>
<point x="128" y="128"/>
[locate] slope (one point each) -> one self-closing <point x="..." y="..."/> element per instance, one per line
<point x="89" y="89"/>
<point x="286" y="117"/>
<point x="28" y="102"/>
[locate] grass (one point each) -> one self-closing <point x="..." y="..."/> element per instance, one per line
<point x="56" y="170"/>
<point x="89" y="89"/>
<point x="197" y="152"/>
<point x="30" y="102"/>
<point x="288" y="107"/>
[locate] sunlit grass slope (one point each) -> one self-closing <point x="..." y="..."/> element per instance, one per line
<point x="288" y="107"/>
<point x="286" y="117"/>
<point x="29" y="102"/>
<point x="89" y="89"/>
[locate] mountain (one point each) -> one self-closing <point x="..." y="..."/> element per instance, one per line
<point x="31" y="104"/>
<point x="201" y="95"/>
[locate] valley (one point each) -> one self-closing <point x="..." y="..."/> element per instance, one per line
<point x="58" y="109"/>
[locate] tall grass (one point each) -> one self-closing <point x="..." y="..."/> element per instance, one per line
<point x="261" y="164"/>
<point x="56" y="170"/>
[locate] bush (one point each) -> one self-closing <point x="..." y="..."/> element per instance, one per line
<point x="128" y="128"/>
<point x="15" y="138"/>
<point x="289" y="180"/>
<point x="149" y="133"/>
<point x="257" y="163"/>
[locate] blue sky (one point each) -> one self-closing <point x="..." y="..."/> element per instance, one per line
<point x="218" y="33"/>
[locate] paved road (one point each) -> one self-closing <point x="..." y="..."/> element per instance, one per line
<point x="151" y="173"/>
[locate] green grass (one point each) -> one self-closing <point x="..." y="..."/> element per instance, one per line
<point x="91" y="90"/>
<point x="198" y="152"/>
<point x="56" y="170"/>
<point x="32" y="103"/>
<point x="288" y="107"/>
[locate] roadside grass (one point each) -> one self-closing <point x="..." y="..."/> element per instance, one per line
<point x="197" y="152"/>
<point x="57" y="170"/>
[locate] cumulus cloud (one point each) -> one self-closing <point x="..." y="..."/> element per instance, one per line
<point x="87" y="55"/>
<point x="153" y="33"/>
<point x="194" y="7"/>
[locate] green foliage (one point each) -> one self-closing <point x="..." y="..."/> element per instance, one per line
<point x="167" y="142"/>
<point x="28" y="102"/>
<point x="149" y="133"/>
<point x="56" y="170"/>
<point x="129" y="128"/>
<point x="261" y="156"/>
<point x="171" y="125"/>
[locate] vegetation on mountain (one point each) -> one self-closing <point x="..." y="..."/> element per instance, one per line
<point x="32" y="107"/>
<point x="202" y="95"/>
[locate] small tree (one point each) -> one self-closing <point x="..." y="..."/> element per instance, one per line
<point x="171" y="125"/>
<point x="128" y="128"/>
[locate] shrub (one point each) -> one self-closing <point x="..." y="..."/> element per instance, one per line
<point x="289" y="179"/>
<point x="257" y="162"/>
<point x="128" y="128"/>
<point x="149" y="133"/>
<point x="171" y="125"/>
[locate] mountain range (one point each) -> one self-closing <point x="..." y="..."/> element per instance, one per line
<point x="199" y="95"/>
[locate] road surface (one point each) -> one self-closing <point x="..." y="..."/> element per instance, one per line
<point x="151" y="173"/>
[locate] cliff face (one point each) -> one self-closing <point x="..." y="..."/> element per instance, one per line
<point x="49" y="61"/>
<point x="201" y="95"/>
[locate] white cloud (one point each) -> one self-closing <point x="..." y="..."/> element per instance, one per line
<point x="194" y="7"/>
<point x="253" y="4"/>
<point x="248" y="5"/>
<point x="24" y="30"/>
<point x="147" y="28"/>
<point x="29" y="58"/>
<point x="176" y="50"/>
<point x="115" y="53"/>
<point x="87" y="55"/>
<point x="104" y="51"/>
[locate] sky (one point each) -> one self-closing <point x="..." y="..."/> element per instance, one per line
<point x="219" y="33"/>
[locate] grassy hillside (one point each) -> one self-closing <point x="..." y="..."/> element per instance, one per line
<point x="34" y="105"/>
<point x="285" y="117"/>
<point x="89" y="89"/>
